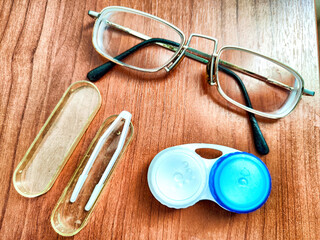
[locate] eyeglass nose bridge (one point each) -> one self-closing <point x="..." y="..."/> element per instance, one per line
<point x="204" y="37"/>
<point x="193" y="52"/>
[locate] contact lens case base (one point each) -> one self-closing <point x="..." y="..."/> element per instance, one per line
<point x="178" y="177"/>
<point x="57" y="139"/>
<point x="67" y="217"/>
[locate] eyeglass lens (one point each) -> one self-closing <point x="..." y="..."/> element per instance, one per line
<point x="270" y="86"/>
<point x="119" y="31"/>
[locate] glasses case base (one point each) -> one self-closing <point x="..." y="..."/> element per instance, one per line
<point x="67" y="218"/>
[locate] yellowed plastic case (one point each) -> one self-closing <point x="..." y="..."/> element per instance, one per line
<point x="67" y="218"/>
<point x="54" y="144"/>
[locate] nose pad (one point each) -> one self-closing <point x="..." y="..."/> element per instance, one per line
<point x="208" y="72"/>
<point x="210" y="79"/>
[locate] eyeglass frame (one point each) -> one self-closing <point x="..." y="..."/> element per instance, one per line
<point x="212" y="60"/>
<point x="95" y="74"/>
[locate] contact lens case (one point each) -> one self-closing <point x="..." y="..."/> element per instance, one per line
<point x="179" y="177"/>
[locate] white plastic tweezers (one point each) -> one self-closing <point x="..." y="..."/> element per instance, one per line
<point x="123" y="115"/>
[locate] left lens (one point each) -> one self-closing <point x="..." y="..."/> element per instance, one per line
<point x="273" y="88"/>
<point x="118" y="30"/>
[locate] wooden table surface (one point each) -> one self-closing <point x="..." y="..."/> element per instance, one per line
<point x="46" y="45"/>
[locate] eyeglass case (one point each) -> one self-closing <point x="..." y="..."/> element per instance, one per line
<point x="68" y="218"/>
<point x="237" y="181"/>
<point x="57" y="139"/>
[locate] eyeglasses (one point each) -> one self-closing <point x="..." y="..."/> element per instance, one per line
<point x="247" y="79"/>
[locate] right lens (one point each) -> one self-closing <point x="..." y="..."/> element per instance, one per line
<point x="119" y="29"/>
<point x="272" y="87"/>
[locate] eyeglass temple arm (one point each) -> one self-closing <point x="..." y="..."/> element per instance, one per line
<point x="97" y="73"/>
<point x="262" y="78"/>
<point x="205" y="57"/>
<point x="259" y="141"/>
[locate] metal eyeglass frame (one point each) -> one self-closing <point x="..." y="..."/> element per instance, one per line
<point x="214" y="64"/>
<point x="213" y="60"/>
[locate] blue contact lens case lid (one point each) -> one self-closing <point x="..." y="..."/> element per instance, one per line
<point x="239" y="182"/>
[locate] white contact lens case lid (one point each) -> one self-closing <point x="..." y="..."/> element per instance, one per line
<point x="178" y="176"/>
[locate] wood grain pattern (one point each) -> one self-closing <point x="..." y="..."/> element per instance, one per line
<point x="46" y="45"/>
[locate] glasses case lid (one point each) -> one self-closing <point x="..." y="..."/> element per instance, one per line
<point x="57" y="139"/>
